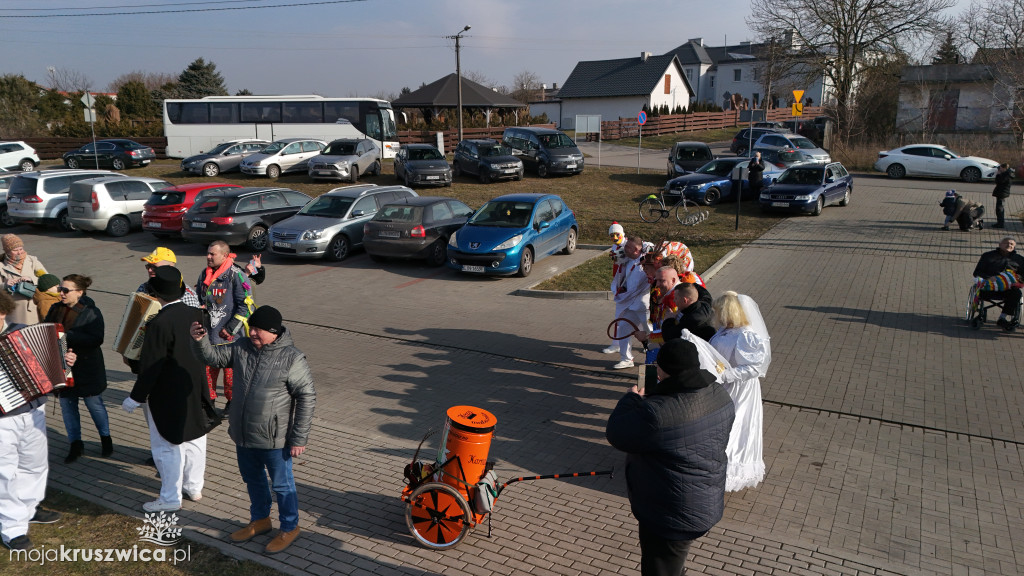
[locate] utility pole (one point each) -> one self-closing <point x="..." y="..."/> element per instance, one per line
<point x="458" y="72"/>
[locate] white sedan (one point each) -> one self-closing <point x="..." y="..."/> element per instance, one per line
<point x="936" y="161"/>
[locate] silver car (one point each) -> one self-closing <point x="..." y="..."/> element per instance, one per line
<point x="113" y="204"/>
<point x="332" y="225"/>
<point x="41" y="197"/>
<point x="346" y="159"/>
<point x="281" y="156"/>
<point x="779" y="141"/>
<point x="224" y="157"/>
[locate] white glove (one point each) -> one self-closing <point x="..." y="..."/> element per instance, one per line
<point x="129" y="405"/>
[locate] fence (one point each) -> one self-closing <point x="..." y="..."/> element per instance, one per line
<point x="675" y="123"/>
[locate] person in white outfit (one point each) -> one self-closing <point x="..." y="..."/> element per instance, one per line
<point x="632" y="299"/>
<point x="618" y="256"/>
<point x="743" y="340"/>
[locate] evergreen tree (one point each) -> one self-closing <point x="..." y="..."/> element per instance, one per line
<point x="19" y="99"/>
<point x="244" y="92"/>
<point x="135" y="101"/>
<point x="948" y="52"/>
<point x="201" y="79"/>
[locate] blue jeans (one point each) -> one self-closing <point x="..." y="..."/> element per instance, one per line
<point x="254" y="464"/>
<point x="72" y="422"/>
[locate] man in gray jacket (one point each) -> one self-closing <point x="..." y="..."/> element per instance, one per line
<point x="268" y="420"/>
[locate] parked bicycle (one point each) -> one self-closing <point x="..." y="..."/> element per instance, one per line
<point x="688" y="212"/>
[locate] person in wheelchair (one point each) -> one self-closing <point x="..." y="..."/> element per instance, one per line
<point x="995" y="262"/>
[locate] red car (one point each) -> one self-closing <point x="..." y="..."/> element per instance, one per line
<point x="163" y="211"/>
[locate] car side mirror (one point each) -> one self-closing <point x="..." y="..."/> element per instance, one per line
<point x="948" y="157"/>
<point x="358" y="213"/>
<point x="829" y="180"/>
<point x="543" y="225"/>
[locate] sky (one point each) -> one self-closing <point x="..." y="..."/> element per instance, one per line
<point x="346" y="48"/>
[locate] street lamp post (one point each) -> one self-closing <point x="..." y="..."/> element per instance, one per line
<point x="458" y="72"/>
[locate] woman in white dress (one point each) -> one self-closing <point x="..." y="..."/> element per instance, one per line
<point x="743" y="340"/>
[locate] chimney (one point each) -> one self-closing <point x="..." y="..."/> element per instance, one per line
<point x="697" y="41"/>
<point x="644" y="56"/>
<point x="554" y="85"/>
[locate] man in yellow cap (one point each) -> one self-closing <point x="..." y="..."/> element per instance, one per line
<point x="165" y="257"/>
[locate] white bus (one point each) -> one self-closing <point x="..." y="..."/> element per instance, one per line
<point x="197" y="125"/>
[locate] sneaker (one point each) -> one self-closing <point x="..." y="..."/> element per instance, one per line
<point x="44" y="517"/>
<point x="610" y="350"/>
<point x="193" y="496"/>
<point x="19" y="543"/>
<point x="161" y="506"/>
<point x="623" y="364"/>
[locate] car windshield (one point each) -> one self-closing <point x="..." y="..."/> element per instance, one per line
<point x="717" y="167"/>
<point x="425" y="154"/>
<point x="486" y="151"/>
<point x="803" y="143"/>
<point x="555" y="141"/>
<point x="274" y="147"/>
<point x="340" y="149"/>
<point x="166" y="198"/>
<point x="399" y="213"/>
<point x="328" y="206"/>
<point x="807" y="176"/>
<point x="503" y="214"/>
<point x="790" y="156"/>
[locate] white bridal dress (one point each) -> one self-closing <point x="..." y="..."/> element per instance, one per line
<point x="748" y="351"/>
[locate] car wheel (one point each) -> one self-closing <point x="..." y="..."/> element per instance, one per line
<point x="525" y="262"/>
<point x="64" y="222"/>
<point x="896" y="171"/>
<point x="741" y="151"/>
<point x="375" y="169"/>
<point x="819" y="206"/>
<point x="27" y="165"/>
<point x="118" y="226"/>
<point x="397" y="175"/>
<point x="408" y="183"/>
<point x="970" y="174"/>
<point x="338" y="249"/>
<point x="6" y="220"/>
<point x="257" y="239"/>
<point x="456" y="170"/>
<point x="117" y="164"/>
<point x="438" y="252"/>
<point x="485" y="176"/>
<point x="211" y="170"/>
<point x="519" y="176"/>
<point x="71" y="163"/>
<point x="712" y="196"/>
<point x="846" y="197"/>
<point x="354" y="177"/>
<point x="542" y="170"/>
<point x="570" y="242"/>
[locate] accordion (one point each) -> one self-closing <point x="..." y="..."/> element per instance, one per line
<point x="141" y="308"/>
<point x="32" y="364"/>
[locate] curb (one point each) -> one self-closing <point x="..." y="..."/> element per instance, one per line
<point x="606" y="294"/>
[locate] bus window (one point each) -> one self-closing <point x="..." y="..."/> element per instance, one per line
<point x="304" y="112"/>
<point x="347" y="110"/>
<point x="261" y="111"/>
<point x="223" y="113"/>
<point x="373" y="125"/>
<point x="189" y="113"/>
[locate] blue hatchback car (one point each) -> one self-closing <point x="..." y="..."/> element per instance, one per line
<point x="509" y="233"/>
<point x="809" y="188"/>
<point x="711" y="183"/>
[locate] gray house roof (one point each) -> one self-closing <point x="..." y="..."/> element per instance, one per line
<point x="444" y="93"/>
<point x="691" y="53"/>
<point x="945" y="73"/>
<point x="621" y="77"/>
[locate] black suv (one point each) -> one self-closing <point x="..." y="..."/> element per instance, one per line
<point x="486" y="159"/>
<point x="239" y="216"/>
<point x="117" y="154"/>
<point x="746" y="138"/>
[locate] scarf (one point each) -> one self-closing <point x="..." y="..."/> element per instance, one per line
<point x="16" y="263"/>
<point x="212" y="274"/>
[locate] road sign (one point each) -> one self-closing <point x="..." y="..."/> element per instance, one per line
<point x="798" y="109"/>
<point x="88" y="100"/>
<point x="642" y="118"/>
<point x="90" y="115"/>
<point x="798" y="96"/>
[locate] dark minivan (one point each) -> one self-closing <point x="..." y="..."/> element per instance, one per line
<point x="544" y="150"/>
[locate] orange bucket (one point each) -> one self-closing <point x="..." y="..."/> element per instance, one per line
<point x="467" y="434"/>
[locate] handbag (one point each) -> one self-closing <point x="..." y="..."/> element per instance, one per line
<point x="26" y="289"/>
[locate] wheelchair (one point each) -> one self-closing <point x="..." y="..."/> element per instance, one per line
<point x="979" y="302"/>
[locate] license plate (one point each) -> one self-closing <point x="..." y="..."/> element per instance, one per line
<point x="570" y="166"/>
<point x="77" y="209"/>
<point x="323" y="173"/>
<point x="279" y="244"/>
<point x="390" y="234"/>
<point x="13" y="200"/>
<point x="144" y="162"/>
<point x="154" y="225"/>
<point x="510" y="171"/>
<point x="199" y="224"/>
<point x="780" y="204"/>
<point x="477" y="269"/>
<point x="433" y="177"/>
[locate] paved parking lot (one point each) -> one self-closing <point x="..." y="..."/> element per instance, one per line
<point x="892" y="431"/>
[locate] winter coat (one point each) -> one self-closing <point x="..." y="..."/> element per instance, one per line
<point x="675" y="439"/>
<point x="1002" y="189"/>
<point x="25" y="309"/>
<point x="996" y="262"/>
<point x="172" y="379"/>
<point x="45" y="300"/>
<point x="84" y="337"/>
<point x="225" y="300"/>
<point x="274" y="396"/>
<point x="697" y="318"/>
<point x="754" y="176"/>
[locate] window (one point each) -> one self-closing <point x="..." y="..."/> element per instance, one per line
<point x="310" y="146"/>
<point x="440" y="212"/>
<point x="296" y="198"/>
<point x="668" y="83"/>
<point x="544" y="212"/>
<point x="260" y="112"/>
<point x="333" y="111"/>
<point x="273" y="201"/>
<point x="689" y="74"/>
<point x="188" y="113"/>
<point x="303" y="112"/>
<point x="223" y="113"/>
<point x="460" y="209"/>
<point x="293" y="148"/>
<point x="135" y="190"/>
<point x="737" y="75"/>
<point x="367" y="204"/>
<point x="248" y="204"/>
<point x="712" y="81"/>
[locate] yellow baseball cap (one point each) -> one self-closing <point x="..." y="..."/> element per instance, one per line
<point x="159" y="254"/>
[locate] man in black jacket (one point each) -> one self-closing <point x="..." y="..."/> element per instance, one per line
<point x="1001" y="192"/>
<point x="996" y="262"/>
<point x="172" y="381"/>
<point x="674" y="435"/>
<point x="695" y="314"/>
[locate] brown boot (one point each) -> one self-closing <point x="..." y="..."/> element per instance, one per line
<point x="255" y="528"/>
<point x="282" y="541"/>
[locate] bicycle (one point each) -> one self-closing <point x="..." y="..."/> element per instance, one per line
<point x="688" y="212"/>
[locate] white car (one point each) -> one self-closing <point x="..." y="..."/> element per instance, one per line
<point x="935" y="161"/>
<point x="18" y="155"/>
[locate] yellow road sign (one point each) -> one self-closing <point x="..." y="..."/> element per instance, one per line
<point x="798" y="96"/>
<point x="798" y="109"/>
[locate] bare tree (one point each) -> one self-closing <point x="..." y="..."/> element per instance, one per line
<point x="994" y="29"/>
<point x="479" y="78"/>
<point x="525" y="86"/>
<point x="836" y="36"/>
<point x="151" y="80"/>
<point x="67" y="81"/>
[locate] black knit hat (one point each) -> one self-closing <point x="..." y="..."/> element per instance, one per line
<point x="166" y="284"/>
<point x="679" y="358"/>
<point x="266" y="318"/>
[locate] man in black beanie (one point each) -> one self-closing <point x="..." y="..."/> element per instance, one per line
<point x="674" y="434"/>
<point x="273" y="383"/>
